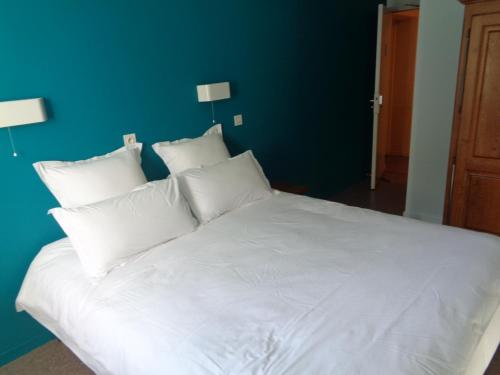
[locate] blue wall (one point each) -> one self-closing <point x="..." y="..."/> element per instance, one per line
<point x="301" y="74"/>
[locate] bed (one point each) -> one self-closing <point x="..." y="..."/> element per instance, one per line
<point x="288" y="285"/>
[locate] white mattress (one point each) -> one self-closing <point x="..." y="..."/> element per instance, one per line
<point x="289" y="285"/>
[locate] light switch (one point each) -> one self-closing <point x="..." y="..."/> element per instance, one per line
<point x="129" y="139"/>
<point x="238" y="120"/>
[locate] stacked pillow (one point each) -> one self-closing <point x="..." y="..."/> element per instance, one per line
<point x="212" y="182"/>
<point x="109" y="210"/>
<point x="111" y="213"/>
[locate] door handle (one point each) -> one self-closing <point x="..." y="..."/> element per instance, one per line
<point x="379" y="100"/>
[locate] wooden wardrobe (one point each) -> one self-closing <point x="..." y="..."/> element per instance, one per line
<point x="473" y="195"/>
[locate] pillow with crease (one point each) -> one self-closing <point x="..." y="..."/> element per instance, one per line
<point x="105" y="234"/>
<point x="82" y="182"/>
<point x="185" y="154"/>
<point x="214" y="190"/>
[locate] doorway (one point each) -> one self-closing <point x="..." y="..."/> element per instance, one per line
<point x="393" y="101"/>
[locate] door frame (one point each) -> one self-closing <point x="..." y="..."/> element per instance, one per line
<point x="376" y="96"/>
<point x="457" y="118"/>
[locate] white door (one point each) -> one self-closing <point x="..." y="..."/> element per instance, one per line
<point x="377" y="98"/>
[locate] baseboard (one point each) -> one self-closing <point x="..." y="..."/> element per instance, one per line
<point x="424" y="217"/>
<point x="18" y="351"/>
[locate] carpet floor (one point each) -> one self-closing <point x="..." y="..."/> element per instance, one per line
<point x="53" y="358"/>
<point x="56" y="359"/>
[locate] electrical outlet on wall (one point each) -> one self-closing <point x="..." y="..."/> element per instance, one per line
<point x="129" y="139"/>
<point x="238" y="120"/>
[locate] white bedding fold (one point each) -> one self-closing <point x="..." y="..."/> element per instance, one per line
<point x="290" y="285"/>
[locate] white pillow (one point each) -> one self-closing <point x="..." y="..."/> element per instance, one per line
<point x="105" y="234"/>
<point x="82" y="182"/>
<point x="186" y="153"/>
<point x="214" y="190"/>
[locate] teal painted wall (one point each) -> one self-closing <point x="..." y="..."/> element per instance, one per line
<point x="301" y="74"/>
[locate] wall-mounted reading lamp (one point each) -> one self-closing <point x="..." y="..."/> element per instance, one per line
<point x="213" y="92"/>
<point x="21" y="112"/>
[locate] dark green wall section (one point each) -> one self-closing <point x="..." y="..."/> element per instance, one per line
<point x="301" y="74"/>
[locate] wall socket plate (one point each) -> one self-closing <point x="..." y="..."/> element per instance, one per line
<point x="129" y="139"/>
<point x="238" y="120"/>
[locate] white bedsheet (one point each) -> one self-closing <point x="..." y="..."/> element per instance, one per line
<point x="290" y="285"/>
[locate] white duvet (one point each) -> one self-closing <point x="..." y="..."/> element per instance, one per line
<point x="289" y="285"/>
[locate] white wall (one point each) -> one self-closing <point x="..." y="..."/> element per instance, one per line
<point x="438" y="51"/>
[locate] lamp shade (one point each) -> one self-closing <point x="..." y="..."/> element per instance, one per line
<point x="22" y="112"/>
<point x="213" y="92"/>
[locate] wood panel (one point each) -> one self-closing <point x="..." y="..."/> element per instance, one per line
<point x="482" y="195"/>
<point x="487" y="137"/>
<point x="475" y="190"/>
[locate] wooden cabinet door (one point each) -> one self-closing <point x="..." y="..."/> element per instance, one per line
<point x="475" y="195"/>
